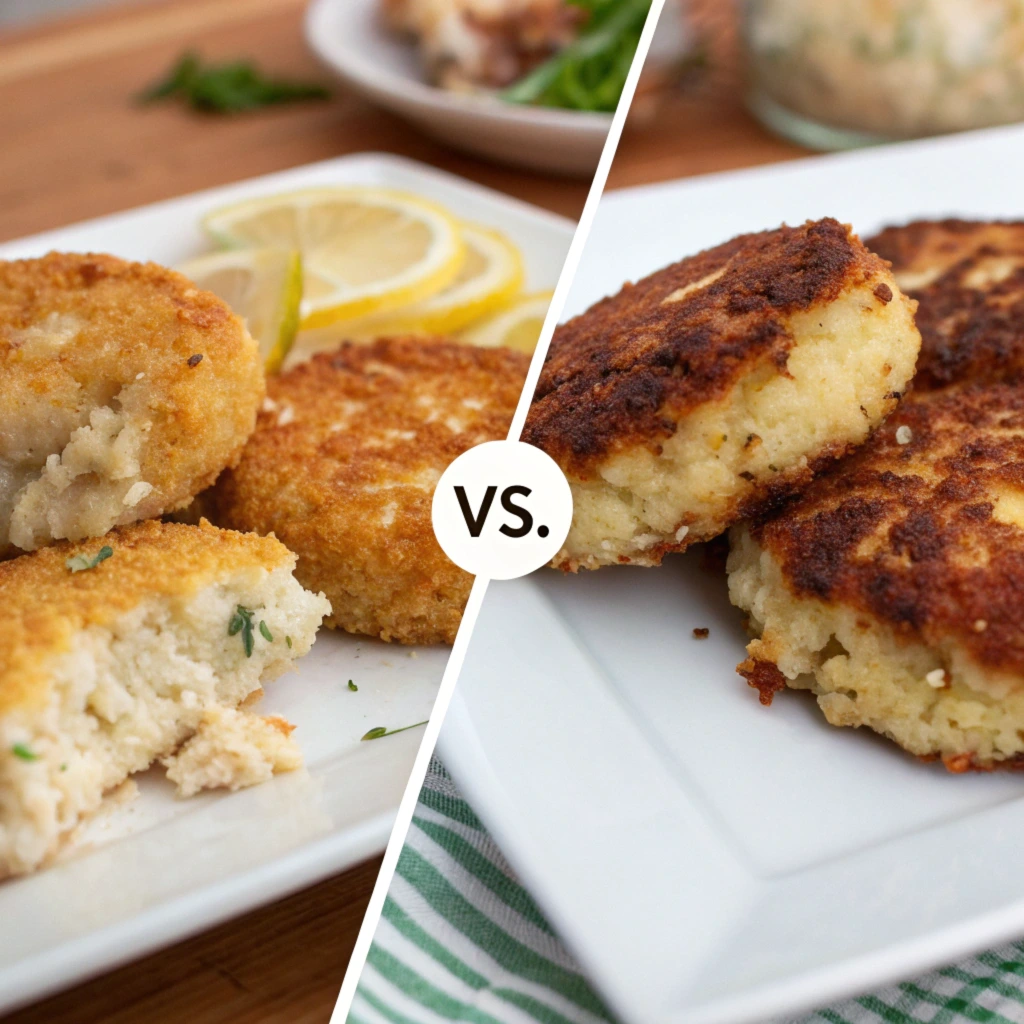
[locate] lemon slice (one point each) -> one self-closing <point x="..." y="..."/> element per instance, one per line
<point x="517" y="326"/>
<point x="491" y="275"/>
<point x="262" y="285"/>
<point x="364" y="250"/>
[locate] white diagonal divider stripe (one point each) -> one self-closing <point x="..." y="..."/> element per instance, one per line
<point x="476" y="597"/>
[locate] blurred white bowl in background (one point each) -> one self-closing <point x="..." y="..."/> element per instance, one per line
<point x="348" y="36"/>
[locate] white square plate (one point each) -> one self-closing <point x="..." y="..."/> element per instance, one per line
<point x="157" y="868"/>
<point x="709" y="860"/>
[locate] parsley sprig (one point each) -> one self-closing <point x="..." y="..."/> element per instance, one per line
<point x="383" y="730"/>
<point x="77" y="563"/>
<point x="228" y="88"/>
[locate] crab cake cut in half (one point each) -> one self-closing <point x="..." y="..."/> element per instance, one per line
<point x="343" y="465"/>
<point x="891" y="588"/>
<point x="968" y="279"/>
<point x="124" y="390"/>
<point x="718" y="385"/>
<point x="113" y="652"/>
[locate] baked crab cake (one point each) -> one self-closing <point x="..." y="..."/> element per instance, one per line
<point x="968" y="279"/>
<point x="717" y="386"/>
<point x="124" y="390"/>
<point x="113" y="652"/>
<point x="890" y="588"/>
<point x="343" y="465"/>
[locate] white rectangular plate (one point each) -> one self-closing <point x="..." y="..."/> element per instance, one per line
<point x="156" y="868"/>
<point x="708" y="860"/>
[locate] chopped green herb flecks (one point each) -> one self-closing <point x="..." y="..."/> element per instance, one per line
<point x="64" y="767"/>
<point x="79" y="562"/>
<point x="288" y="641"/>
<point x="25" y="752"/>
<point x="228" y="88"/>
<point x="241" y="622"/>
<point x="265" y="632"/>
<point x="383" y="730"/>
<point x="352" y="686"/>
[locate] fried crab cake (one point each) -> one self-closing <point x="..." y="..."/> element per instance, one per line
<point x="109" y="663"/>
<point x="124" y="390"/>
<point x="891" y="587"/>
<point x="968" y="280"/>
<point x="343" y="465"/>
<point x="718" y="385"/>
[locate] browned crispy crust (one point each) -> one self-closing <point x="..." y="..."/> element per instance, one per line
<point x="957" y="764"/>
<point x="970" y="315"/>
<point x="628" y="369"/>
<point x="347" y="483"/>
<point x="908" y="532"/>
<point x="763" y="676"/>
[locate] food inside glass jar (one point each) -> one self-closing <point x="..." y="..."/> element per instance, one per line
<point x="892" y="68"/>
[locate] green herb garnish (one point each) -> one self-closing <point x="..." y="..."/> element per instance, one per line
<point x="228" y="88"/>
<point x="241" y="622"/>
<point x="79" y="562"/>
<point x="25" y="752"/>
<point x="352" y="686"/>
<point x="589" y="74"/>
<point x="265" y="632"/>
<point x="383" y="730"/>
<point x="288" y="641"/>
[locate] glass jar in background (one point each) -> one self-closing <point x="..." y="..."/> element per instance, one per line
<point x="832" y="74"/>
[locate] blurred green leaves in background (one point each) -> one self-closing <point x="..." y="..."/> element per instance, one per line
<point x="227" y="88"/>
<point x="589" y="73"/>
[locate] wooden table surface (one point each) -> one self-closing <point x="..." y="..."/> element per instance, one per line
<point x="77" y="146"/>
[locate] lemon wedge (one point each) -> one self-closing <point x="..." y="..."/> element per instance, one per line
<point x="491" y="275"/>
<point x="517" y="326"/>
<point x="264" y="286"/>
<point x="364" y="250"/>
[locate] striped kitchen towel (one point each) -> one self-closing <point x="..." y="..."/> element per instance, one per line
<point x="461" y="940"/>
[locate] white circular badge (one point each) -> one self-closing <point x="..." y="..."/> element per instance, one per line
<point x="502" y="509"/>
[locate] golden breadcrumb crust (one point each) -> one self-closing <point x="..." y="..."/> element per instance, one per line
<point x="968" y="279"/>
<point x="44" y="603"/>
<point x="628" y="369"/>
<point x="342" y="469"/>
<point x="173" y="358"/>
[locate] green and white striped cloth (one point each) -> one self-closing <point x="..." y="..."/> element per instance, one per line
<point x="461" y="940"/>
